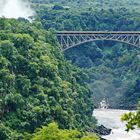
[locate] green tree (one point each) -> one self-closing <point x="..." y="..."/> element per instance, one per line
<point x="52" y="132"/>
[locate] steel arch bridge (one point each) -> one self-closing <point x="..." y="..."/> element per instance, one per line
<point x="70" y="39"/>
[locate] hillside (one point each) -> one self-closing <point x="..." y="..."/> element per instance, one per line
<point x="38" y="86"/>
<point x="112" y="67"/>
<point x="96" y="4"/>
<point x="44" y="91"/>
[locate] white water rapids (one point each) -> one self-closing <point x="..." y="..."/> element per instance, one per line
<point x="110" y="118"/>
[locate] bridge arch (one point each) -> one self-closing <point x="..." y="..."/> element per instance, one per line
<point x="75" y="45"/>
<point x="71" y="39"/>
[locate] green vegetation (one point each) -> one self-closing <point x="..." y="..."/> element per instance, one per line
<point x="133" y="4"/>
<point x="37" y="85"/>
<point x="132" y="119"/>
<point x="113" y="68"/>
<point x="52" y="132"/>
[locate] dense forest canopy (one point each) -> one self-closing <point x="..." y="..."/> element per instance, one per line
<point x="39" y="86"/>
<point x="90" y="3"/>
<point x="112" y="67"/>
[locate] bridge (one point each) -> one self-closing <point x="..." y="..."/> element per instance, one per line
<point x="70" y="39"/>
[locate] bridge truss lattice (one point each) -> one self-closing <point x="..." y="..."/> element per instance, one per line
<point x="69" y="39"/>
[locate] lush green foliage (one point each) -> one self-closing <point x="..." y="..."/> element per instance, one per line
<point x="113" y="68"/>
<point x="52" y="132"/>
<point x="114" y="72"/>
<point x="133" y="4"/>
<point x="37" y="85"/>
<point x="132" y="119"/>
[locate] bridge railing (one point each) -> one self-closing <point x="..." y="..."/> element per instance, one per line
<point x="69" y="39"/>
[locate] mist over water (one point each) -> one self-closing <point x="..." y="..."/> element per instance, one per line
<point x="15" y="9"/>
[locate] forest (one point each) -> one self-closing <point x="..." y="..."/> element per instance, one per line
<point x="43" y="91"/>
<point x="37" y="85"/>
<point x="112" y="67"/>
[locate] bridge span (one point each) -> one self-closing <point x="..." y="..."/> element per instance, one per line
<point x="69" y="39"/>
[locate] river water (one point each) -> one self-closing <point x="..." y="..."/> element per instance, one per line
<point x="110" y="118"/>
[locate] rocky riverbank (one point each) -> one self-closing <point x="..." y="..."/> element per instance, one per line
<point x="110" y="118"/>
<point x="101" y="131"/>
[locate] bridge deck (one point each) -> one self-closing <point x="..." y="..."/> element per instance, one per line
<point x="97" y="32"/>
<point x="69" y="39"/>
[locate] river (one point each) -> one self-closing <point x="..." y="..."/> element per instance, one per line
<point x="110" y="118"/>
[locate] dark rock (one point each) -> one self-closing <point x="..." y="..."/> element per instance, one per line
<point x="102" y="138"/>
<point x="102" y="130"/>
